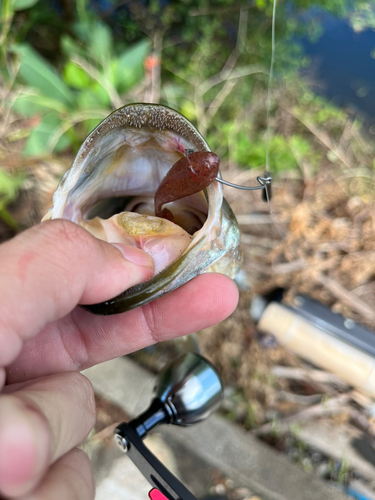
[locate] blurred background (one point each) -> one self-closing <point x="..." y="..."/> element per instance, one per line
<point x="65" y="65"/>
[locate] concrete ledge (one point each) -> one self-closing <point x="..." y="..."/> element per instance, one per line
<point x="215" y="442"/>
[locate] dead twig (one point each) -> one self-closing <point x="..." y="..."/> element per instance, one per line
<point x="362" y="399"/>
<point x="116" y="100"/>
<point x="155" y="71"/>
<point x="330" y="407"/>
<point x="248" y="239"/>
<point x="229" y="66"/>
<point x="346" y="296"/>
<point x="360" y="421"/>
<point x="308" y="375"/>
<point x="247" y="220"/>
<point x="286" y="268"/>
<point x="324" y="138"/>
<point x="289" y="267"/>
<point x="362" y="289"/>
<point x="229" y="75"/>
<point x="299" y="399"/>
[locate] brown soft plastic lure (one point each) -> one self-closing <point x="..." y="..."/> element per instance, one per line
<point x="188" y="176"/>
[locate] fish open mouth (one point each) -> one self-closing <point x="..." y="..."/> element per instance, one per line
<point x="110" y="191"/>
<point x="111" y="187"/>
<point x="115" y="201"/>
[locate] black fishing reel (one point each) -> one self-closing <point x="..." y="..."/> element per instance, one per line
<point x="188" y="391"/>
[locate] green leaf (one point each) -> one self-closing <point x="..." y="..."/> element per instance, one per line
<point x="301" y="146"/>
<point x="38" y="73"/>
<point x="188" y="109"/>
<point x="94" y="98"/>
<point x="84" y="30"/>
<point x="101" y="95"/>
<point x="76" y="77"/>
<point x="100" y="46"/>
<point x="23" y="4"/>
<point x="261" y="4"/>
<point x="129" y="68"/>
<point x="69" y="46"/>
<point x="91" y="124"/>
<point x="8" y="218"/>
<point x="32" y="104"/>
<point x="97" y="39"/>
<point x="9" y="185"/>
<point x="41" y="136"/>
<point x="87" y="100"/>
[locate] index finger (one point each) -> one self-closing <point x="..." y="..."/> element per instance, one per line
<point x="46" y="271"/>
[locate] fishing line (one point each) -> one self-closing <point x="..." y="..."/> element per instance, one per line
<point x="270" y="78"/>
<point x="266" y="180"/>
<point x="268" y="103"/>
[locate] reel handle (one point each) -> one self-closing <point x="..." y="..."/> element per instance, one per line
<point x="188" y="391"/>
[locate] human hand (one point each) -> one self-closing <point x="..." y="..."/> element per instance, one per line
<point x="46" y="407"/>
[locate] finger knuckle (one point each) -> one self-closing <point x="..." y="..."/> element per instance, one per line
<point x="65" y="234"/>
<point x="20" y="405"/>
<point x="78" y="469"/>
<point x="79" y="458"/>
<point x="151" y="320"/>
<point x="85" y="392"/>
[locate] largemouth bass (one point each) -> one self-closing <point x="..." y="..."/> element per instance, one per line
<point x="110" y="190"/>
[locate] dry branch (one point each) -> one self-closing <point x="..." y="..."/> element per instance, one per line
<point x="346" y="296"/>
<point x="330" y="407"/>
<point x="307" y="375"/>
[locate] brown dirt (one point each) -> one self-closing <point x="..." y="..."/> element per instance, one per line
<point x="319" y="241"/>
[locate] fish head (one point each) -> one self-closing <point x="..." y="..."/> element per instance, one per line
<point x="110" y="189"/>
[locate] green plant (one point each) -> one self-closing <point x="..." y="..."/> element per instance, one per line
<point x="94" y="78"/>
<point x="8" y="8"/>
<point x="343" y="474"/>
<point x="9" y="186"/>
<point x="214" y="72"/>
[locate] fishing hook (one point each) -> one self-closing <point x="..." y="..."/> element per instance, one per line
<point x="263" y="181"/>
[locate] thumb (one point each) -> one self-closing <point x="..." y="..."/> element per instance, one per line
<point x="49" y="269"/>
<point x="122" y="267"/>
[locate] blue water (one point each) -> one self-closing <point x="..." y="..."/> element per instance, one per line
<point x="342" y="67"/>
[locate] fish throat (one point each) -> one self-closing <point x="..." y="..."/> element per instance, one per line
<point x="116" y="200"/>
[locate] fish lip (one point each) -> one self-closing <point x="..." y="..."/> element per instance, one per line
<point x="160" y="118"/>
<point x="152" y="116"/>
<point x="145" y="117"/>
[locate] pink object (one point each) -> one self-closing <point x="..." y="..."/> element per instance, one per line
<point x="157" y="495"/>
